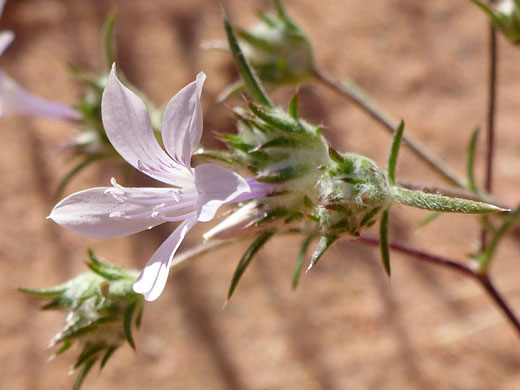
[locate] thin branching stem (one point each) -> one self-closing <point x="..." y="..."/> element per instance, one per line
<point x="353" y="94"/>
<point x="491" y="114"/>
<point x="482" y="279"/>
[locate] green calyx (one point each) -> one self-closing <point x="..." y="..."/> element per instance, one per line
<point x="352" y="192"/>
<point x="101" y="309"/>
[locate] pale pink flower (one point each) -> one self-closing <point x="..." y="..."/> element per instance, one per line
<point x="14" y="100"/>
<point x="196" y="193"/>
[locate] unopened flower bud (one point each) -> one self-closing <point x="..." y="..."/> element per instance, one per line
<point x="352" y="192"/>
<point x="278" y="49"/>
<point x="101" y="309"/>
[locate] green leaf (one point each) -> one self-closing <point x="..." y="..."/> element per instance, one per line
<point x="299" y="261"/>
<point x="325" y="242"/>
<point x="106" y="270"/>
<point x="284" y="174"/>
<point x="487" y="10"/>
<point x="66" y="345"/>
<point x="434" y="202"/>
<point x="74" y="171"/>
<point x="90" y="351"/>
<point x="470" y="160"/>
<point x="246" y="259"/>
<point x="276" y="118"/>
<point x="394" y="151"/>
<point x="383" y="241"/>
<point x="53" y="292"/>
<point x="230" y="90"/>
<point x="293" y="107"/>
<point x="129" y="313"/>
<point x="108" y="354"/>
<point x="276" y="143"/>
<point x="108" y="40"/>
<point x="83" y="373"/>
<point x="219" y="155"/>
<point x="251" y="81"/>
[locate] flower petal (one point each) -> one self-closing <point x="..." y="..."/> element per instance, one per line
<point x="6" y="37"/>
<point x="182" y="122"/>
<point x="16" y="100"/>
<point x="216" y="186"/>
<point x="152" y="279"/>
<point x="128" y="128"/>
<point x="100" y="213"/>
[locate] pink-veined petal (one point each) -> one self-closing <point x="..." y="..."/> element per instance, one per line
<point x="101" y="213"/>
<point x="152" y="279"/>
<point x="6" y="37"/>
<point x="14" y="100"/>
<point x="182" y="122"/>
<point x="129" y="129"/>
<point x="216" y="186"/>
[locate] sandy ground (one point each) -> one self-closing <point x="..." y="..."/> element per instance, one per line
<point x="347" y="326"/>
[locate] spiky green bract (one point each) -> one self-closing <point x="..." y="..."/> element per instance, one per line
<point x="101" y="309"/>
<point x="278" y="49"/>
<point x="353" y="190"/>
<point x="506" y="17"/>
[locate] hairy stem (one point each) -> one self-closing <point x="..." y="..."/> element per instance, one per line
<point x="354" y="94"/>
<point x="482" y="279"/>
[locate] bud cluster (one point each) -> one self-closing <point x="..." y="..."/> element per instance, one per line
<point x="101" y="309"/>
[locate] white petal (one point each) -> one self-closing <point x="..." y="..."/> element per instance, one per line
<point x="99" y="213"/>
<point x="182" y="122"/>
<point x="216" y="186"/>
<point x="152" y="279"/>
<point x="2" y="5"/>
<point x="128" y="128"/>
<point x="16" y="100"/>
<point x="6" y="37"/>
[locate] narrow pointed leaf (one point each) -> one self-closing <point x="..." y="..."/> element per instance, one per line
<point x="251" y="81"/>
<point x="434" y="202"/>
<point x="470" y="160"/>
<point x="276" y="118"/>
<point x="284" y="174"/>
<point x="83" y="373"/>
<point x="73" y="172"/>
<point x="88" y="352"/>
<point x="299" y="261"/>
<point x="139" y="317"/>
<point x="108" y="40"/>
<point x="394" y="151"/>
<point x="66" y="345"/>
<point x="52" y="292"/>
<point x="230" y="90"/>
<point x="325" y="243"/>
<point x="383" y="241"/>
<point x="129" y="313"/>
<point x="246" y="259"/>
<point x="108" y="354"/>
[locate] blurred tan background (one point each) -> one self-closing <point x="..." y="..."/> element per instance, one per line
<point x="347" y="326"/>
